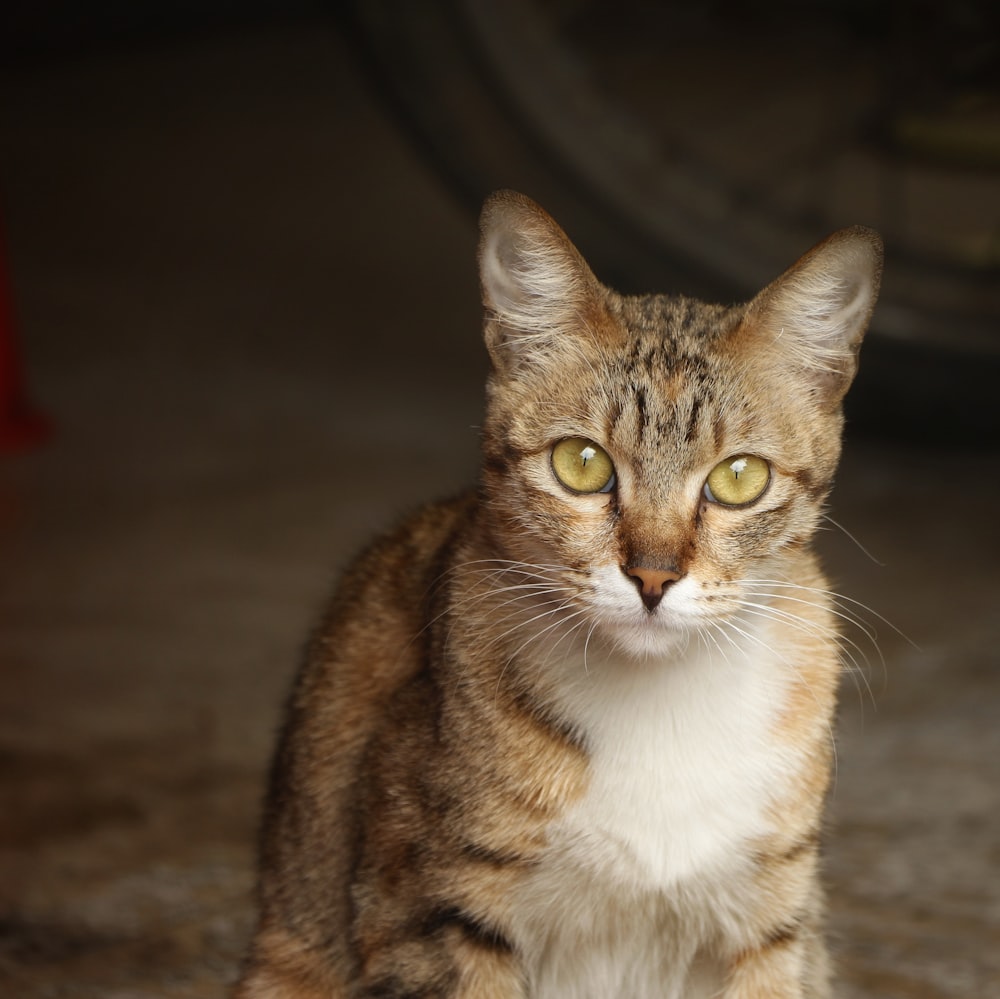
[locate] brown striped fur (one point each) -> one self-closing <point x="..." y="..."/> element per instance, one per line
<point x="503" y="775"/>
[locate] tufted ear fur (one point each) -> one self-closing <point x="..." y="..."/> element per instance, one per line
<point x="814" y="316"/>
<point x="541" y="298"/>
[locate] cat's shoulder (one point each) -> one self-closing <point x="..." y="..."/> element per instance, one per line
<point x="369" y="638"/>
<point x="417" y="544"/>
<point x="382" y="597"/>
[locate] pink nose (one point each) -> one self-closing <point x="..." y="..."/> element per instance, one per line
<point x="652" y="583"/>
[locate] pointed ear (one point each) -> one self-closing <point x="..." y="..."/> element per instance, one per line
<point x="815" y="315"/>
<point x="537" y="289"/>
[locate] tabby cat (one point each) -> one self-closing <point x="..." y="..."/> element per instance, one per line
<point x="568" y="736"/>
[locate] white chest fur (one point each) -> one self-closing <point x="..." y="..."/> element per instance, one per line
<point x="651" y="862"/>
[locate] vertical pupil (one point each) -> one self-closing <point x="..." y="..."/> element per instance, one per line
<point x="586" y="454"/>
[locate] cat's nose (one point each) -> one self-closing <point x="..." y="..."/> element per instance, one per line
<point x="652" y="583"/>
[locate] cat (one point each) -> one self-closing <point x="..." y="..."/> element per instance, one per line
<point x="568" y="736"/>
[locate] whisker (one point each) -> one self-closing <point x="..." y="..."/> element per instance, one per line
<point x="851" y="537"/>
<point x="706" y="634"/>
<point x="848" y="615"/>
<point x="536" y="636"/>
<point x="847" y="647"/>
<point x="749" y="636"/>
<point x="522" y="568"/>
<point x="586" y="645"/>
<point x="841" y="600"/>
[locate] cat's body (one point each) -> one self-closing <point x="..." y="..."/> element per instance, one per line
<point x="569" y="736"/>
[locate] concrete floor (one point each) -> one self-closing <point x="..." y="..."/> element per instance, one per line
<point x="252" y="314"/>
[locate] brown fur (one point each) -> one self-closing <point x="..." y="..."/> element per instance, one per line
<point x="429" y="801"/>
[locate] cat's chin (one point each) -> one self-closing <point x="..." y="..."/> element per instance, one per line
<point x="653" y="637"/>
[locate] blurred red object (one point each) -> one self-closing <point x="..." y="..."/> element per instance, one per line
<point x="21" y="425"/>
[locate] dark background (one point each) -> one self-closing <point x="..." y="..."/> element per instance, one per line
<point x="241" y="244"/>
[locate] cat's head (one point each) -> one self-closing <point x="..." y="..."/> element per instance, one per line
<point x="653" y="455"/>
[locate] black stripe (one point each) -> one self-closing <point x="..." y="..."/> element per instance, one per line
<point x="718" y="433"/>
<point x="473" y="929"/>
<point x="500" y="456"/>
<point x="775" y="511"/>
<point x="814" y="489"/>
<point x="392" y="988"/>
<point x="614" y="415"/>
<point x="693" y="421"/>
<point x="495" y="464"/>
<point x="781" y="935"/>
<point x="545" y="719"/>
<point x="495" y="858"/>
<point x="640" y="404"/>
<point x="653" y="361"/>
<point x="807" y="844"/>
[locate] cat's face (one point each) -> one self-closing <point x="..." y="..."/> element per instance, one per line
<point x="657" y="459"/>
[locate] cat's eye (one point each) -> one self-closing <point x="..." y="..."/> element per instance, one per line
<point x="583" y="466"/>
<point x="738" y="481"/>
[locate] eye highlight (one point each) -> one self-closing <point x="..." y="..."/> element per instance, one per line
<point x="583" y="466"/>
<point x="738" y="480"/>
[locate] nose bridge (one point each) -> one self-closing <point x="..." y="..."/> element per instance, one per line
<point x="659" y="499"/>
<point x="657" y="536"/>
<point x="656" y="541"/>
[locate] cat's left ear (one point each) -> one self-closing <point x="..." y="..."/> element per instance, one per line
<point x="814" y="316"/>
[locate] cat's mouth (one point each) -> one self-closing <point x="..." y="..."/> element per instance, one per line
<point x="631" y="622"/>
<point x="654" y="635"/>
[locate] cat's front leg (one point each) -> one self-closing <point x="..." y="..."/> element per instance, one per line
<point x="781" y="967"/>
<point x="783" y="953"/>
<point x="282" y="965"/>
<point x="452" y="962"/>
<point x="449" y="956"/>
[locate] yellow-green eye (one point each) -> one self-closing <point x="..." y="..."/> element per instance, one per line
<point x="583" y="466"/>
<point x="738" y="481"/>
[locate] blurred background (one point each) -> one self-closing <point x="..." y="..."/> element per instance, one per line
<point x="244" y="335"/>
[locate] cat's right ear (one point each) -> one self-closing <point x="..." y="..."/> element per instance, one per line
<point x="539" y="294"/>
<point x="811" y="319"/>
